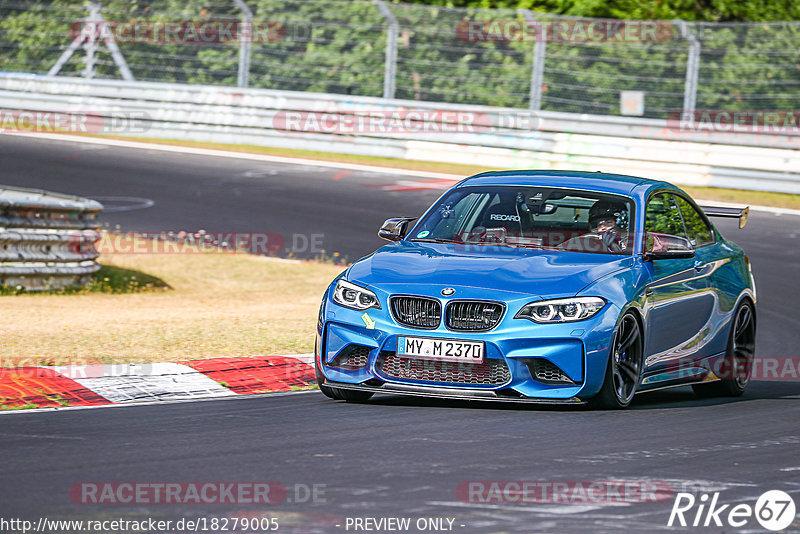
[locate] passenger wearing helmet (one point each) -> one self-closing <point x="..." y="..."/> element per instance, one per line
<point x="606" y="233"/>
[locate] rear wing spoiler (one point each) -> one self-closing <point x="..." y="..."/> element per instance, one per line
<point x="726" y="211"/>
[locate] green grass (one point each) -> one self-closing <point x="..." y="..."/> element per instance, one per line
<point x="29" y="406"/>
<point x="109" y="279"/>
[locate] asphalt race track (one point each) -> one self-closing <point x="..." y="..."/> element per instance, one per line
<point x="396" y="457"/>
<point x="192" y="192"/>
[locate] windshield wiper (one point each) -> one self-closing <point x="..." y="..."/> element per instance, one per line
<point x="528" y="245"/>
<point x="432" y="240"/>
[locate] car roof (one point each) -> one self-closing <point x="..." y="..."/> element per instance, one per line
<point x="619" y="184"/>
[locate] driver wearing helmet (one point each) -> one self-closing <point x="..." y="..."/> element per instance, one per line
<point x="605" y="232"/>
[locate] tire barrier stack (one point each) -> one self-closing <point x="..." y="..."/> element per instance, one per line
<point x="47" y="240"/>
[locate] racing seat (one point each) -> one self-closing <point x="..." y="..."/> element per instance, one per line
<point x="502" y="216"/>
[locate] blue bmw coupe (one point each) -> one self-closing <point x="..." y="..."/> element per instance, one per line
<point x="544" y="286"/>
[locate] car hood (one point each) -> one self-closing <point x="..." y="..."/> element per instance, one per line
<point x="543" y="273"/>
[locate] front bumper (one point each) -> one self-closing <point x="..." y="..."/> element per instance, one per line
<point x="448" y="393"/>
<point x="579" y="350"/>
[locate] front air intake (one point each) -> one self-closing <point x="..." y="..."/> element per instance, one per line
<point x="547" y="372"/>
<point x="492" y="372"/>
<point x="352" y="357"/>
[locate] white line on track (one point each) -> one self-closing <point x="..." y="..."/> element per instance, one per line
<point x="124" y="203"/>
<point x="39" y="436"/>
<point x="236" y="155"/>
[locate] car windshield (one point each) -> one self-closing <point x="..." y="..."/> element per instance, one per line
<point x="531" y="217"/>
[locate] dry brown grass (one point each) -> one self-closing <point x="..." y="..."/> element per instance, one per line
<point x="750" y="198"/>
<point x="219" y="305"/>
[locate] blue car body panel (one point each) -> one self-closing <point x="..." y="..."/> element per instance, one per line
<point x="684" y="305"/>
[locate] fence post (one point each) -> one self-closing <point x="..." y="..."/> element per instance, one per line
<point x="245" y="37"/>
<point x="537" y="70"/>
<point x="692" y="66"/>
<point x="95" y="17"/>
<point x="390" y="68"/>
<point x="91" y="46"/>
<point x="111" y="44"/>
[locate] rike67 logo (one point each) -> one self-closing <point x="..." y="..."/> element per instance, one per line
<point x="774" y="510"/>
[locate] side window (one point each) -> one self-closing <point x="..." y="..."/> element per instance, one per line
<point x="700" y="233"/>
<point x="663" y="216"/>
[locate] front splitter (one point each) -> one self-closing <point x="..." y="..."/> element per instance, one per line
<point x="450" y="393"/>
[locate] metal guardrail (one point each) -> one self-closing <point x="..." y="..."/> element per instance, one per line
<point x="46" y="239"/>
<point x="255" y="108"/>
<point x="501" y="137"/>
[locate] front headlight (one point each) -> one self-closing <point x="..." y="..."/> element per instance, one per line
<point x="355" y="297"/>
<point x="561" y="310"/>
<point x="321" y="314"/>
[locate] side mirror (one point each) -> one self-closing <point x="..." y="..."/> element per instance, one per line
<point x="395" y="229"/>
<point x="664" y="247"/>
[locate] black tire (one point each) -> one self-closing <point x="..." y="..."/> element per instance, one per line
<point x="737" y="366"/>
<point x="624" y="369"/>
<point x="339" y="394"/>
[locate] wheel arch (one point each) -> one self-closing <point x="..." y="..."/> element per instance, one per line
<point x="639" y="315"/>
<point x="746" y="296"/>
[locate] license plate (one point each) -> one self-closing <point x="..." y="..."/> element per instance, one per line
<point x="453" y="350"/>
